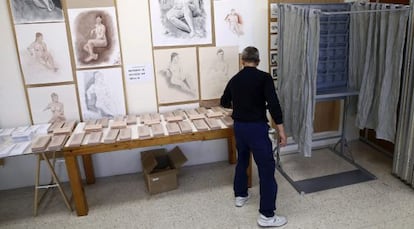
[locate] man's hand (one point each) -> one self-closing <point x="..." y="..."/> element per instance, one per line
<point x="281" y="135"/>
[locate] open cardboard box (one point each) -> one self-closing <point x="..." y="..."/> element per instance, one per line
<point x="160" y="169"/>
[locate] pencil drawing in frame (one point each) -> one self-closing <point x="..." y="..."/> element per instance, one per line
<point x="274" y="40"/>
<point x="101" y="93"/>
<point x="53" y="103"/>
<point x="95" y="39"/>
<point x="181" y="22"/>
<point x="217" y="66"/>
<point x="274" y="10"/>
<point x="273" y="57"/>
<point x="273" y="72"/>
<point x="233" y="23"/>
<point x="44" y="53"/>
<point x="34" y="11"/>
<point x="176" y="75"/>
<point x="274" y="27"/>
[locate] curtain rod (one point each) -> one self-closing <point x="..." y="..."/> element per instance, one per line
<point x="364" y="11"/>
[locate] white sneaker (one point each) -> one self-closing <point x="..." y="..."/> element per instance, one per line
<point x="240" y="201"/>
<point x="275" y="221"/>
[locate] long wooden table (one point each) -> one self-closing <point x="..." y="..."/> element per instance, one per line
<point x="72" y="166"/>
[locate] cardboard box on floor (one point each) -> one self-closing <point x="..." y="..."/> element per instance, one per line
<point x="160" y="169"/>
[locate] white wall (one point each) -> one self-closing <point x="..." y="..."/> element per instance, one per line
<point x="13" y="106"/>
<point x="135" y="35"/>
<point x="136" y="45"/>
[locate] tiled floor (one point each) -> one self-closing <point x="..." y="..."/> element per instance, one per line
<point x="205" y="200"/>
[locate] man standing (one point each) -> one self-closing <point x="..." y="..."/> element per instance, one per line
<point x="250" y="93"/>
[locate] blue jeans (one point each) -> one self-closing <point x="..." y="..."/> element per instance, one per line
<point x="253" y="137"/>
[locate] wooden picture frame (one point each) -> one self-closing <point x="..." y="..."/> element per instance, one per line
<point x="274" y="10"/>
<point x="101" y="93"/>
<point x="26" y="12"/>
<point x="95" y="39"/>
<point x="217" y="66"/>
<point x="273" y="72"/>
<point x="273" y="58"/>
<point x="274" y="41"/>
<point x="53" y="103"/>
<point x="44" y="53"/>
<point x="170" y="28"/>
<point x="273" y="27"/>
<point x="176" y="74"/>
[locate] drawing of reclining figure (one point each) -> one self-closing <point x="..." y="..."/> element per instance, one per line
<point x="176" y="77"/>
<point x="183" y="13"/>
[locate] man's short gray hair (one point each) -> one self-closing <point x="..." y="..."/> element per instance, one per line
<point x="250" y="54"/>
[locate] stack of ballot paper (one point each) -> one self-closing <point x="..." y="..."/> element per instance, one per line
<point x="214" y="114"/>
<point x="111" y="136"/>
<point x="119" y="124"/>
<point x="20" y="148"/>
<point x="144" y="132"/>
<point x="94" y="138"/>
<point x="103" y="122"/>
<point x="201" y="110"/>
<point x="227" y="120"/>
<point x="40" y="144"/>
<point x="57" y="142"/>
<point x="5" y="149"/>
<point x="213" y="123"/>
<point x="76" y="139"/>
<point x="157" y="130"/>
<point x="124" y="134"/>
<point x="200" y="124"/>
<point x="6" y="132"/>
<point x="22" y="134"/>
<point x="131" y="119"/>
<point x="92" y="127"/>
<point x="185" y="126"/>
<point x="55" y="125"/>
<point x="149" y="119"/>
<point x="172" y="128"/>
<point x="171" y="117"/>
<point x="193" y="114"/>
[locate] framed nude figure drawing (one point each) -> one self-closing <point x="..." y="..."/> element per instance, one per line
<point x="217" y="66"/>
<point x="44" y="53"/>
<point x="95" y="39"/>
<point x="101" y="93"/>
<point x="176" y="75"/>
<point x="234" y="23"/>
<point x="53" y="103"/>
<point x="181" y="22"/>
<point x="34" y="11"/>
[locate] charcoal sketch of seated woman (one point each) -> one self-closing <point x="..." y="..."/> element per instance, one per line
<point x="57" y="109"/>
<point x="97" y="39"/>
<point x="38" y="50"/>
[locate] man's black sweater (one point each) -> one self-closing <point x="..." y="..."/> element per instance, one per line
<point x="250" y="92"/>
